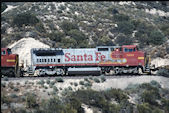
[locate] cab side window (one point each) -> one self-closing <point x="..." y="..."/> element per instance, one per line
<point x="3" y="53"/>
<point x="126" y="50"/>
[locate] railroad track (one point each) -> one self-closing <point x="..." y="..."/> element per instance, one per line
<point x="71" y="77"/>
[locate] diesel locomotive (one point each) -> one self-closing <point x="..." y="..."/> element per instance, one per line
<point x="102" y="59"/>
<point x="126" y="59"/>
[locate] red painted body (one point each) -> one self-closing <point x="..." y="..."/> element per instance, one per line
<point x="7" y="58"/>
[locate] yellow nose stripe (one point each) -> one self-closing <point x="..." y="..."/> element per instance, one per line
<point x="140" y="58"/>
<point x="10" y="60"/>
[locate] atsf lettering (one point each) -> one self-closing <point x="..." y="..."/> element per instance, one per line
<point x="84" y="57"/>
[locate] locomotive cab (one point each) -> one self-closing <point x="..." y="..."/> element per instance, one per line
<point x="9" y="62"/>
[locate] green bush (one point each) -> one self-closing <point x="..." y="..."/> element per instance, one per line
<point x="52" y="83"/>
<point x="96" y="80"/>
<point x="123" y="40"/>
<point x="102" y="77"/>
<point x="5" y="99"/>
<point x="163" y="72"/>
<point x="121" y="17"/>
<point x="3" y="7"/>
<point x="155" y="84"/>
<point x="59" y="79"/>
<point x="81" y="82"/>
<point x="125" y="27"/>
<point x="3" y="84"/>
<point x="165" y="104"/>
<point x="48" y="81"/>
<point x="41" y="82"/>
<point x="75" y="84"/>
<point x="117" y="94"/>
<point x="88" y="84"/>
<point x="5" y="78"/>
<point x="67" y="26"/>
<point x="16" y="89"/>
<point x="45" y="87"/>
<point x="39" y="27"/>
<point x="156" y="37"/>
<point x="31" y="100"/>
<point x="55" y="89"/>
<point x="56" y="36"/>
<point x="13" y="95"/>
<point x="25" y="19"/>
<point x="69" y="42"/>
<point x="144" y="108"/>
<point x="70" y="88"/>
<point x="77" y="35"/>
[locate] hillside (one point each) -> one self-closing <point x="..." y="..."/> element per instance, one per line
<point x="89" y="24"/>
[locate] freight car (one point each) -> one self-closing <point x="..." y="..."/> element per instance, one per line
<point x="117" y="59"/>
<point x="9" y="63"/>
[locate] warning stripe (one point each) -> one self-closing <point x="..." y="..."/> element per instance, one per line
<point x="140" y="58"/>
<point x="10" y="60"/>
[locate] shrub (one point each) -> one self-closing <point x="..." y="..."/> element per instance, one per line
<point x="86" y="79"/>
<point x="81" y="82"/>
<point x="121" y="17"/>
<point x="23" y="98"/>
<point x="96" y="80"/>
<point x="45" y="87"/>
<point x="39" y="27"/>
<point x="77" y="35"/>
<point x="55" y="89"/>
<point x="67" y="26"/>
<point x="5" y="78"/>
<point x="17" y="83"/>
<point x="25" y="19"/>
<point x="156" y="37"/>
<point x="70" y="88"/>
<point x="26" y="82"/>
<point x="13" y="95"/>
<point x="59" y="79"/>
<point x="117" y="94"/>
<point x="21" y="110"/>
<point x="102" y="77"/>
<point x="41" y="82"/>
<point x="71" y="83"/>
<point x="48" y="81"/>
<point x="69" y="42"/>
<point x="125" y="27"/>
<point x="155" y="84"/>
<point x="88" y="84"/>
<point x="31" y="100"/>
<point x="5" y="99"/>
<point x="75" y="84"/>
<point x="3" y="84"/>
<point x="163" y="72"/>
<point x="52" y="83"/>
<point x="144" y="108"/>
<point x="3" y="7"/>
<point x="90" y="77"/>
<point x="123" y="40"/>
<point x="56" y="36"/>
<point x="16" y="89"/>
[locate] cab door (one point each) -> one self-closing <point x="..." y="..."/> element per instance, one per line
<point x="131" y="56"/>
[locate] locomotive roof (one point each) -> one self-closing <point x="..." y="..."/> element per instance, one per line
<point x="4" y="49"/>
<point x="129" y="46"/>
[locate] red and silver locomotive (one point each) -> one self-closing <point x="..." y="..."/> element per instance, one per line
<point x="117" y="59"/>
